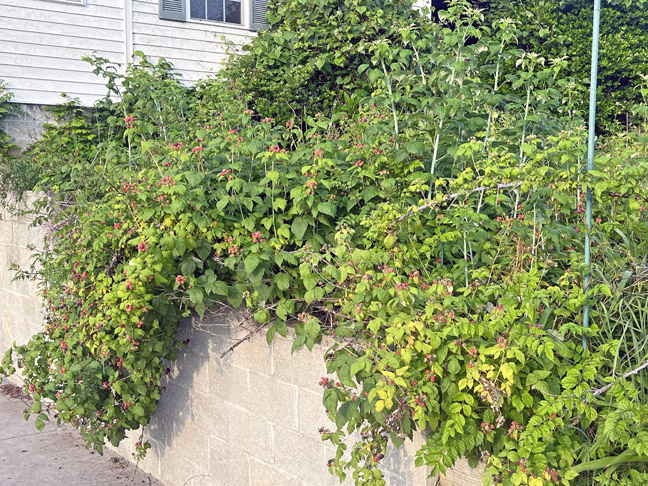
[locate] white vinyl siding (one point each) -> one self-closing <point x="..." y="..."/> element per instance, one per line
<point x="196" y="48"/>
<point x="42" y="42"/>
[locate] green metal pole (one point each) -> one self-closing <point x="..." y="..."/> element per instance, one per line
<point x="590" y="158"/>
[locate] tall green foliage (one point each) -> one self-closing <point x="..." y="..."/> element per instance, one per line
<point x="5" y="99"/>
<point x="307" y="62"/>
<point x="563" y="30"/>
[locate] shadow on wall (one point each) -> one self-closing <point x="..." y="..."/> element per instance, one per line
<point x="250" y="418"/>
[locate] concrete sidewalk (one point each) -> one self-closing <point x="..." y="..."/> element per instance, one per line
<point x="56" y="456"/>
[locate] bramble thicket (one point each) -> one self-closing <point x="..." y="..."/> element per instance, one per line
<point x="413" y="190"/>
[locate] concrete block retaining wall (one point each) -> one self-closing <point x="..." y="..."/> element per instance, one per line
<point x="25" y="123"/>
<point x="250" y="418"/>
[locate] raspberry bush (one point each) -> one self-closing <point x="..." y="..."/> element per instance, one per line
<point x="434" y="229"/>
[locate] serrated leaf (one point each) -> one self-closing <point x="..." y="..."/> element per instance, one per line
<point x="327" y="208"/>
<point x="196" y="295"/>
<point x="138" y="410"/>
<point x="507" y="371"/>
<point x="416" y="148"/>
<point x="299" y="227"/>
<point x="194" y="177"/>
<point x="271" y="333"/>
<point x="282" y="281"/>
<point x="369" y="193"/>
<point x="251" y="263"/>
<point x="235" y="296"/>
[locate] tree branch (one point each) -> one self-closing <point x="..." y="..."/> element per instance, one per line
<point x="448" y="197"/>
<point x="602" y="390"/>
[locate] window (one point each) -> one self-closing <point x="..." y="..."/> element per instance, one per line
<point x="218" y="10"/>
<point x="228" y="11"/>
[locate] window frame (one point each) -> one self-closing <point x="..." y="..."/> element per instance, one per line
<point x="244" y="15"/>
<point x="247" y="13"/>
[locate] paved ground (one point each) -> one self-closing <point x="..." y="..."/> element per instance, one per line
<point x="56" y="456"/>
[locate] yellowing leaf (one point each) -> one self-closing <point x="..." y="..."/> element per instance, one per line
<point x="507" y="371"/>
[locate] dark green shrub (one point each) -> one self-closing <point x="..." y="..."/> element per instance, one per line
<point x="563" y="30"/>
<point x="307" y="62"/>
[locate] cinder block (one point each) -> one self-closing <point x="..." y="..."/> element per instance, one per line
<point x="304" y="368"/>
<point x="161" y="431"/>
<point x="311" y="413"/>
<point x="228" y="463"/>
<point x="24" y="234"/>
<point x="190" y="442"/>
<point x="463" y="475"/>
<point x="249" y="433"/>
<point x="398" y="464"/>
<point x="6" y="233"/>
<point x="273" y="400"/>
<point x="300" y="456"/>
<point x="176" y="470"/>
<point x="254" y="354"/>
<point x="176" y="402"/>
<point x="213" y="338"/>
<point x="150" y="464"/>
<point x="212" y="415"/>
<point x="229" y="382"/>
<point x="262" y="474"/>
<point x="192" y="366"/>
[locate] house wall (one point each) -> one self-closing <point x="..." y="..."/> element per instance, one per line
<point x="249" y="418"/>
<point x="196" y="48"/>
<point x="42" y="42"/>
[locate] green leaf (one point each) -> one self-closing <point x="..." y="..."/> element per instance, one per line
<point x="180" y="245"/>
<point x="138" y="410"/>
<point x="220" y="288"/>
<point x="415" y="148"/>
<point x="282" y="281"/>
<point x="283" y="308"/>
<point x="343" y="414"/>
<point x="271" y="333"/>
<point x="204" y="250"/>
<point x="327" y="208"/>
<point x="299" y="227"/>
<point x="453" y="366"/>
<point x="369" y="193"/>
<point x="194" y="177"/>
<point x="196" y="295"/>
<point x="251" y="263"/>
<point x="235" y="296"/>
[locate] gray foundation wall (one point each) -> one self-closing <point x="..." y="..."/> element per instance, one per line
<point x="250" y="418"/>
<point x="25" y="124"/>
